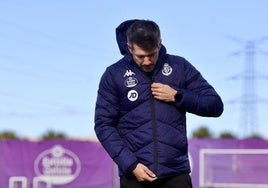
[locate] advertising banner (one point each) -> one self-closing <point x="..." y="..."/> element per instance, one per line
<point x="85" y="164"/>
<point x="54" y="163"/>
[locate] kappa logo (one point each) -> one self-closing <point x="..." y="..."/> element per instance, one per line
<point x="167" y="69"/>
<point x="132" y="95"/>
<point x="129" y="73"/>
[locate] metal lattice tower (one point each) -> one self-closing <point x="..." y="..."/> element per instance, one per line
<point x="249" y="99"/>
<point x="249" y="118"/>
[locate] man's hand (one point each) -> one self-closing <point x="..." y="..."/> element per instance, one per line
<point x="163" y="92"/>
<point x="143" y="173"/>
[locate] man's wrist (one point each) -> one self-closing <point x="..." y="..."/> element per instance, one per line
<point x="178" y="96"/>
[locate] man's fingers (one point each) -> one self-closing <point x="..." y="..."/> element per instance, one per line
<point x="143" y="173"/>
<point x="151" y="175"/>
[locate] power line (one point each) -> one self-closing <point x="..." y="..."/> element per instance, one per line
<point x="51" y="37"/>
<point x="15" y="60"/>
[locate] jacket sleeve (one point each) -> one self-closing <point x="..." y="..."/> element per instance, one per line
<point x="198" y="96"/>
<point x="106" y="119"/>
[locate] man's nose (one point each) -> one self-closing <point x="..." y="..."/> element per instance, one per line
<point x="147" y="61"/>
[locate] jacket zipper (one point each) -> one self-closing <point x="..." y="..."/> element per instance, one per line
<point x="154" y="129"/>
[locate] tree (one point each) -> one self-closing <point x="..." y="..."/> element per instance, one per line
<point x="202" y="132"/>
<point x="227" y="135"/>
<point x="255" y="135"/>
<point x="53" y="135"/>
<point x="8" y="135"/>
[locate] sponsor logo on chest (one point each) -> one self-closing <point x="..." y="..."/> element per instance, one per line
<point x="129" y="82"/>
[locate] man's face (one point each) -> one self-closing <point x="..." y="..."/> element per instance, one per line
<point x="146" y="60"/>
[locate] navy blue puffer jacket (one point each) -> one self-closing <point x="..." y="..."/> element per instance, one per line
<point x="134" y="127"/>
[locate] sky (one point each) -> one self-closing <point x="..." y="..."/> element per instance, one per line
<point x="53" y="53"/>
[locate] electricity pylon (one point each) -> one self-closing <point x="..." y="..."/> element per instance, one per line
<point x="249" y="99"/>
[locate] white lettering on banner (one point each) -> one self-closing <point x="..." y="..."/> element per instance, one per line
<point x="38" y="182"/>
<point x="14" y="181"/>
<point x="64" y="161"/>
<point x="57" y="165"/>
<point x="22" y="181"/>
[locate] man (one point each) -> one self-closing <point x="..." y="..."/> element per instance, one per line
<point x="140" y="115"/>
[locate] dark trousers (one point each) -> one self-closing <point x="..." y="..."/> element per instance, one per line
<point x="180" y="181"/>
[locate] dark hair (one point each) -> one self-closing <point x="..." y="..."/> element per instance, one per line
<point x="145" y="34"/>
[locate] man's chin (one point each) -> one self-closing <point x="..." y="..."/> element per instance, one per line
<point x="148" y="69"/>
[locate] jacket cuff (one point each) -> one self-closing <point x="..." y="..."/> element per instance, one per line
<point x="132" y="167"/>
<point x="178" y="96"/>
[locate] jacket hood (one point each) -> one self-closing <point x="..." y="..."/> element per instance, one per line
<point x="121" y="36"/>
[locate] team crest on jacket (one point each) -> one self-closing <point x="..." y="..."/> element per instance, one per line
<point x="167" y="69"/>
<point x="132" y="95"/>
<point x="131" y="82"/>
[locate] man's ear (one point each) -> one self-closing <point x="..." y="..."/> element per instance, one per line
<point x="130" y="49"/>
<point x="160" y="43"/>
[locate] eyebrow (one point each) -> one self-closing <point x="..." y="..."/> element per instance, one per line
<point x="149" y="55"/>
